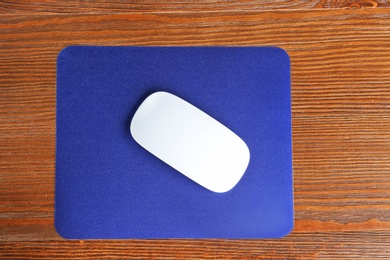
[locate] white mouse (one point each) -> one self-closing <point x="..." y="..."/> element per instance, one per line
<point x="190" y="141"/>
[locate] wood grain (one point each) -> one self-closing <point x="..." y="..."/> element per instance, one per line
<point x="341" y="123"/>
<point x="344" y="245"/>
<point x="104" y="6"/>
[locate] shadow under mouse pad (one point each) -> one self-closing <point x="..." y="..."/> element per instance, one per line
<point x="109" y="187"/>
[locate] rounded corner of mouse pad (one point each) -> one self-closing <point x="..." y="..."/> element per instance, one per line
<point x="107" y="187"/>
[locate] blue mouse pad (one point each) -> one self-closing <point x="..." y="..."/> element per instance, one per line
<point x="109" y="187"/>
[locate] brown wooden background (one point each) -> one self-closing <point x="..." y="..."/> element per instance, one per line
<point x="340" y="54"/>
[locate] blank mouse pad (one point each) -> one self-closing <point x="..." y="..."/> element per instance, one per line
<point x="109" y="187"/>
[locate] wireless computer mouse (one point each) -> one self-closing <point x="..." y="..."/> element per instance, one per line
<point x="190" y="141"/>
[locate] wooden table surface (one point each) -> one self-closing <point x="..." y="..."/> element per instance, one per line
<point x="340" y="56"/>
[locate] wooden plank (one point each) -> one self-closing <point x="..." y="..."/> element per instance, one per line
<point x="78" y="6"/>
<point x="340" y="245"/>
<point x="341" y="121"/>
